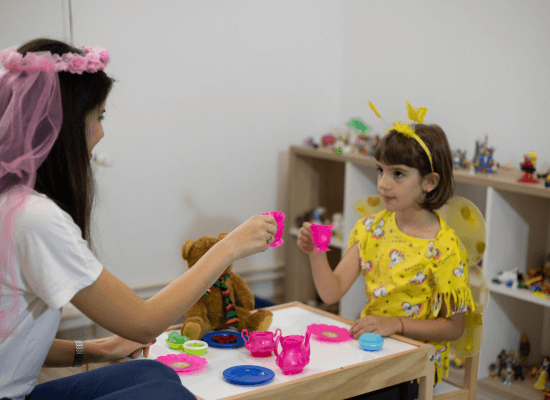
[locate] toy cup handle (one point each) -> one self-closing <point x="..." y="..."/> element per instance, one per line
<point x="242" y="335"/>
<point x="280" y="332"/>
<point x="277" y="345"/>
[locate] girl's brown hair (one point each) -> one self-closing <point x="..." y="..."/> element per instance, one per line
<point x="65" y="176"/>
<point x="396" y="148"/>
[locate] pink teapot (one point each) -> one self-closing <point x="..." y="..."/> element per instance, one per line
<point x="260" y="343"/>
<point x="295" y="355"/>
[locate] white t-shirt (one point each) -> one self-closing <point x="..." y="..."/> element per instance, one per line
<point x="53" y="263"/>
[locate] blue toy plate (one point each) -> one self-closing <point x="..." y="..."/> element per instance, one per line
<point x="208" y="339"/>
<point x="248" y="375"/>
<point x="371" y="341"/>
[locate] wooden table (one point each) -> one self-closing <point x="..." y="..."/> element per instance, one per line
<point x="335" y="371"/>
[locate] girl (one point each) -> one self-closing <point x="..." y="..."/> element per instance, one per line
<point x="413" y="263"/>
<point x="52" y="97"/>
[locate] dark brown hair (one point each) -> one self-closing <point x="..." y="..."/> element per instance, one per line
<point x="396" y="148"/>
<point x="65" y="176"/>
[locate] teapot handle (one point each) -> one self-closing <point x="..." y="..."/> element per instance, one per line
<point x="244" y="338"/>
<point x="280" y="332"/>
<point x="277" y="346"/>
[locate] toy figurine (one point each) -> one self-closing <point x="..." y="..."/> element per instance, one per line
<point x="501" y="362"/>
<point x="547" y="387"/>
<point x="509" y="278"/>
<point x="518" y="372"/>
<point x="485" y="162"/>
<point x="529" y="166"/>
<point x="524" y="349"/>
<point x="459" y="159"/>
<point x="310" y="143"/>
<point x="327" y="140"/>
<point x="540" y="383"/>
<point x="547" y="183"/>
<point x="493" y="371"/>
<point x="507" y="380"/>
<point x="338" y="228"/>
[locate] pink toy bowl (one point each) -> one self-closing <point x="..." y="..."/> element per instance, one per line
<point x="329" y="333"/>
<point x="183" y="363"/>
<point x="260" y="343"/>
<point x="321" y="235"/>
<point x="280" y="219"/>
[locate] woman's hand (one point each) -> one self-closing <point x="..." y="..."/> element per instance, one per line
<point x="384" y="326"/>
<point x="115" y="347"/>
<point x="251" y="237"/>
<point x="305" y="241"/>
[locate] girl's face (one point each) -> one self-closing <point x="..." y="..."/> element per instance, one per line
<point x="400" y="187"/>
<point x="94" y="128"/>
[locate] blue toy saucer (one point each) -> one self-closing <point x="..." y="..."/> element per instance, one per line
<point x="248" y="375"/>
<point x="371" y="341"/>
<point x="208" y="339"/>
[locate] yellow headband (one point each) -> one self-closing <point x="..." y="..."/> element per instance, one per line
<point x="406" y="128"/>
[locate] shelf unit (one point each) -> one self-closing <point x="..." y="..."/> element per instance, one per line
<point x="517" y="217"/>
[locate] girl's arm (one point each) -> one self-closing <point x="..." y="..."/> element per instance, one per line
<point x="436" y="330"/>
<point x="440" y="329"/>
<point x="333" y="285"/>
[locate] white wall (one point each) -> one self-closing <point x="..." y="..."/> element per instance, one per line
<point x="212" y="93"/>
<point x="210" y="96"/>
<point x="480" y="67"/>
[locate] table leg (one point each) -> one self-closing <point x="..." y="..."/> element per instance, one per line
<point x="425" y="386"/>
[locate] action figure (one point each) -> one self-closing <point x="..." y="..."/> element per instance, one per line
<point x="542" y="374"/>
<point x="524" y="349"/>
<point x="501" y="362"/>
<point x="529" y="166"/>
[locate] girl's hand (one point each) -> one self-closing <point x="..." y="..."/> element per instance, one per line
<point x="115" y="347"/>
<point x="305" y="241"/>
<point x="384" y="326"/>
<point x="251" y="237"/>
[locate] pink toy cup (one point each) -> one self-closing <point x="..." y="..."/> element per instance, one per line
<point x="280" y="219"/>
<point x="260" y="343"/>
<point x="321" y="235"/>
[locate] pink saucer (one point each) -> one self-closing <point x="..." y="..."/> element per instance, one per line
<point x="183" y="363"/>
<point x="329" y="333"/>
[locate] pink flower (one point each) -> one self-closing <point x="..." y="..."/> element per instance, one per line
<point x="86" y="49"/>
<point x="77" y="65"/>
<point x="104" y="55"/>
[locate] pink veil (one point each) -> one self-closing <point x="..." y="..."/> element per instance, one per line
<point x="30" y="121"/>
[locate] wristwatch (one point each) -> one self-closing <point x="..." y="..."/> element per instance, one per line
<point x="79" y="353"/>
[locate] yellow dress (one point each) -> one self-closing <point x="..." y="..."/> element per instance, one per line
<point x="541" y="380"/>
<point x="410" y="277"/>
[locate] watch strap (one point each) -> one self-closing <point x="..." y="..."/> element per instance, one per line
<point x="79" y="353"/>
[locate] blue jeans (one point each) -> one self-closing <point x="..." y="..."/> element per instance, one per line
<point x="138" y="379"/>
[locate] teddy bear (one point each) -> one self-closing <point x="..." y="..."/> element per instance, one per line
<point x="228" y="304"/>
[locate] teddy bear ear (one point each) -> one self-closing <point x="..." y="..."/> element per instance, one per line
<point x="186" y="249"/>
<point x="222" y="235"/>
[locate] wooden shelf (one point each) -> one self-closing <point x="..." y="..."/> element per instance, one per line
<point x="500" y="180"/>
<point x="522" y="294"/>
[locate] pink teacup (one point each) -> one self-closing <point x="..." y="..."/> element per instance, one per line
<point x="260" y="343"/>
<point x="280" y="219"/>
<point x="321" y="235"/>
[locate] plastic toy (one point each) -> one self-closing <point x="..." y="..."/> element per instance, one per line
<point x="294" y="355"/>
<point x="280" y="219"/>
<point x="338" y="228"/>
<point x="329" y="333"/>
<point x="310" y="143"/>
<point x="225" y="339"/>
<point x="327" y="140"/>
<point x="260" y="344"/>
<point x="509" y="278"/>
<point x="485" y="162"/>
<point x="483" y="157"/>
<point x="175" y="340"/>
<point x="540" y="383"/>
<point x="371" y="341"/>
<point x="493" y="371"/>
<point x="524" y="350"/>
<point x="208" y="338"/>
<point x="508" y="375"/>
<point x="547" y="183"/>
<point x="248" y="375"/>
<point x="321" y="236"/>
<point x="501" y="361"/>
<point x="518" y="372"/>
<point x="529" y="166"/>
<point x="195" y="347"/>
<point x="183" y="363"/>
<point x="459" y="159"/>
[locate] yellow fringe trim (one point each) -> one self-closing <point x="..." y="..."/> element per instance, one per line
<point x="462" y="300"/>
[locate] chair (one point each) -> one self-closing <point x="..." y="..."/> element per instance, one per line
<point x="453" y="389"/>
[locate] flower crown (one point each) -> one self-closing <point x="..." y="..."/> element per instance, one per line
<point x="406" y="129"/>
<point x="96" y="59"/>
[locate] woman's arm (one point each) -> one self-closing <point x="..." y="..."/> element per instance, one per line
<point x="117" y="308"/>
<point x="62" y="352"/>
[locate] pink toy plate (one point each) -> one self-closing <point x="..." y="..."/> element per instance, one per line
<point x="329" y="333"/>
<point x="183" y="363"/>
